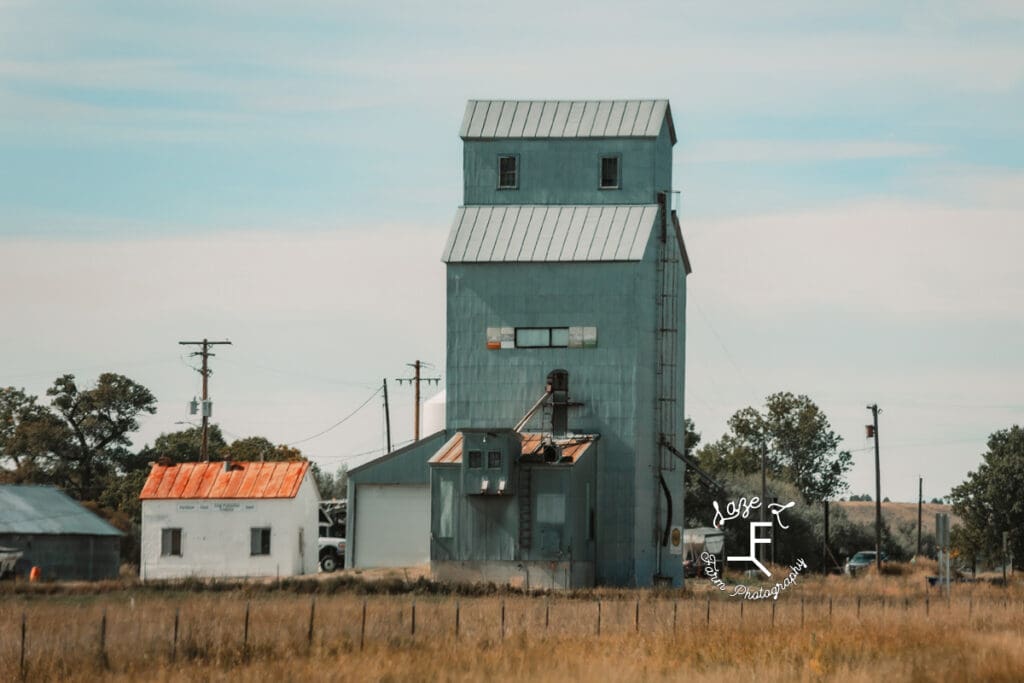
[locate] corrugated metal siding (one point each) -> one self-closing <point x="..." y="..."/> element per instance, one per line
<point x="209" y="480"/>
<point x="482" y="234"/>
<point x="46" y="510"/>
<point x="451" y="452"/>
<point x="490" y="119"/>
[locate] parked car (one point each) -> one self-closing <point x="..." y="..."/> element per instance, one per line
<point x="862" y="560"/>
<point x="332" y="553"/>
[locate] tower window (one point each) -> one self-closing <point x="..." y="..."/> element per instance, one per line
<point x="610" y="173"/>
<point x="475" y="460"/>
<point x="508" y="172"/>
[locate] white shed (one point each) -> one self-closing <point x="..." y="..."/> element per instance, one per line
<point x="221" y="519"/>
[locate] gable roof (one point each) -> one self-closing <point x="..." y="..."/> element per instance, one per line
<point x="549" y="233"/>
<point x="492" y="119"/>
<point x="191" y="480"/>
<point x="47" y="510"/>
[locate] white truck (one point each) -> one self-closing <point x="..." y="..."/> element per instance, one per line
<point x="332" y="534"/>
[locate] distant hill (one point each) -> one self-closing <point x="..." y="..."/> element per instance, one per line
<point x="901" y="518"/>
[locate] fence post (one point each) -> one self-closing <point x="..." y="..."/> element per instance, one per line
<point x="456" y="618"/>
<point x="312" y="615"/>
<point x="599" y="616"/>
<point x="362" y="627"/>
<point x="675" y="614"/>
<point x="858" y="607"/>
<point x="21" y="664"/>
<point x="773" y="613"/>
<point x="503" y="619"/>
<point x="103" y="639"/>
<point x="970" y="607"/>
<point x="245" y="631"/>
<point x="174" y="638"/>
<point x="412" y="626"/>
<point x="707" y="617"/>
<point x="927" y="603"/>
<point x="547" y="613"/>
<point x="830" y="608"/>
<point x="801" y="611"/>
<point x="636" y="619"/>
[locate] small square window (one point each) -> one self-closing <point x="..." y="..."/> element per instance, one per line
<point x="170" y="542"/>
<point x="259" y="541"/>
<point x="475" y="460"/>
<point x="494" y="460"/>
<point x="560" y="337"/>
<point x="508" y="172"/>
<point x="610" y="173"/>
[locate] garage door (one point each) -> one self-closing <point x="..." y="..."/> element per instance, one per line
<point x="392" y="525"/>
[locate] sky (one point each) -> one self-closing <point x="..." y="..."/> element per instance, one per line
<point x="283" y="175"/>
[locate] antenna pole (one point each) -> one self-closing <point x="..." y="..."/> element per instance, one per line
<point x="205" y="372"/>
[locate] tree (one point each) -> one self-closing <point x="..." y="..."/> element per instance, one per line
<point x="801" y="446"/>
<point x="29" y="435"/>
<point x="988" y="501"/>
<point x="259" y="448"/>
<point x="185" y="445"/>
<point x="331" y="486"/>
<point x="96" y="424"/>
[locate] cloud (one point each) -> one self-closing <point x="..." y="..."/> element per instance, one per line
<point x="797" y="151"/>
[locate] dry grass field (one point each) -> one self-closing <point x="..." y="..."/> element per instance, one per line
<point x="822" y="629"/>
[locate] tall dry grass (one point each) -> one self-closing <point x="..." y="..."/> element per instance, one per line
<point x="835" y="628"/>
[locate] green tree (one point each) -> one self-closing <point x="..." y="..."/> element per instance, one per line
<point x="801" y="447"/>
<point x="989" y="500"/>
<point x="96" y="424"/>
<point x="186" y="445"/>
<point x="29" y="436"/>
<point x="331" y="486"/>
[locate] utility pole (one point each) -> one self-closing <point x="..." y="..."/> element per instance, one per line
<point x="920" y="502"/>
<point x="416" y="379"/>
<point x="873" y="432"/>
<point x="205" y="372"/>
<point x="387" y="415"/>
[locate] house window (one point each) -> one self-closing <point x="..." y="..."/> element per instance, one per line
<point x="494" y="460"/>
<point x="170" y="542"/>
<point x="508" y="172"/>
<point x="610" y="173"/>
<point x="542" y="337"/>
<point x="259" y="541"/>
<point x="475" y="459"/>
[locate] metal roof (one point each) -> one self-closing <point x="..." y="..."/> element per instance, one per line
<point x="191" y="480"/>
<point x="46" y="510"/>
<point x="572" y="447"/>
<point x="549" y="233"/>
<point x="490" y="119"/>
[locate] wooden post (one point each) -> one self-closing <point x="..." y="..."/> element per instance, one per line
<point x="503" y="619"/>
<point x="245" y="631"/>
<point x="707" y="618"/>
<point x="636" y="619"/>
<point x="675" y="614"/>
<point x="412" y="627"/>
<point x="970" y="607"/>
<point x="21" y="663"/>
<point x="312" y="615"/>
<point x="456" y="618"/>
<point x="103" y="638"/>
<point x="599" y="617"/>
<point x="858" y="607"/>
<point x="927" y="603"/>
<point x="741" y="611"/>
<point x="801" y="611"/>
<point x="547" y="613"/>
<point x="174" y="638"/>
<point x="830" y="608"/>
<point x="362" y="627"/>
<point x="773" y="613"/>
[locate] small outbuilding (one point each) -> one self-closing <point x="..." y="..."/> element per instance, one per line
<point x="229" y="519"/>
<point x="55" y="533"/>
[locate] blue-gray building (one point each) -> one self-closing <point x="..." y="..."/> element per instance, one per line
<point x="55" y="533"/>
<point x="566" y="302"/>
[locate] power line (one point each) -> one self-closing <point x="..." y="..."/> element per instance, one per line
<point x="339" y="422"/>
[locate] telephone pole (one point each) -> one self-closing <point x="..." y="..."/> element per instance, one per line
<point x="873" y="432"/>
<point x="416" y="379"/>
<point x="387" y="415"/>
<point x="205" y="372"/>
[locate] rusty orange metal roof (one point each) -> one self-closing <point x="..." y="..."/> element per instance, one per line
<point x="213" y="480"/>
<point x="572" y="447"/>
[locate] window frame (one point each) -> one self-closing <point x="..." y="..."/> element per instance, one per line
<point x="618" y="172"/>
<point x="491" y="461"/>
<point x="515" y="172"/>
<point x="478" y="456"/>
<point x="265" y="548"/>
<point x="173" y="534"/>
<point x="550" y="341"/>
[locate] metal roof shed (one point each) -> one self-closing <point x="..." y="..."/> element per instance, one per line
<point x="55" y="533"/>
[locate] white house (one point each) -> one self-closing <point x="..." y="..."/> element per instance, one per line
<point x="221" y="519"/>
